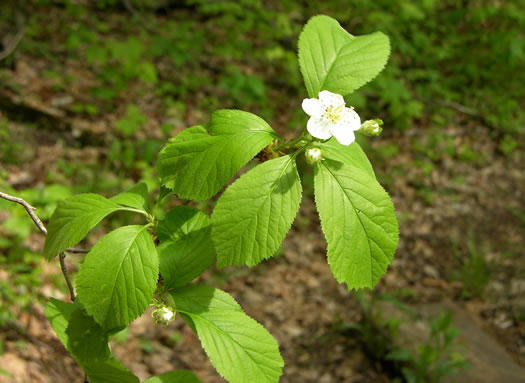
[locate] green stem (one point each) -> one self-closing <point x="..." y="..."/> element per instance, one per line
<point x="288" y="144"/>
<point x="302" y="148"/>
<point x="149" y="217"/>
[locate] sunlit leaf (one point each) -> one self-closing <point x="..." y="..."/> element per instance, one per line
<point x="198" y="162"/>
<point x="254" y="214"/>
<point x="239" y="348"/>
<point x="118" y="277"/>
<point x="332" y="59"/>
<point x="359" y="223"/>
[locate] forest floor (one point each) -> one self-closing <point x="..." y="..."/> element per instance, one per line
<point x="462" y="241"/>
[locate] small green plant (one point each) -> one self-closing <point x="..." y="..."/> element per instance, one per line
<point x="131" y="122"/>
<point x="475" y="273"/>
<point x="508" y="145"/>
<point x="377" y="333"/>
<point x="436" y="358"/>
<point x="429" y="362"/>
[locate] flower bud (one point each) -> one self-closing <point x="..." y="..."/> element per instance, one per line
<point x="313" y="155"/>
<point x="371" y="128"/>
<point x="166" y="314"/>
<point x="163" y="315"/>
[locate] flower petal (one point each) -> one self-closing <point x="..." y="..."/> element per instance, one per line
<point x="351" y="119"/>
<point x="343" y="133"/>
<point x="331" y="99"/>
<point x="312" y="107"/>
<point x="319" y="128"/>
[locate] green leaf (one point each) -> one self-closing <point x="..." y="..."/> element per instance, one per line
<point x="179" y="376"/>
<point x="400" y="354"/>
<point x="359" y="223"/>
<point x="67" y="320"/>
<point x="136" y="197"/>
<point x="86" y="340"/>
<point x="73" y="219"/>
<point x="186" y="249"/>
<point x="164" y="192"/>
<point x="332" y="59"/>
<point x="59" y="313"/>
<point x="351" y="155"/>
<point x="131" y="122"/>
<point x="198" y="298"/>
<point x="109" y="371"/>
<point x="198" y="162"/>
<point x="148" y="73"/>
<point x="118" y="277"/>
<point x="184" y="260"/>
<point x="180" y="222"/>
<point x="254" y="214"/>
<point x="239" y="348"/>
<point x="79" y="334"/>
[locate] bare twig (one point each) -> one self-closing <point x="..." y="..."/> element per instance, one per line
<point x="74" y="250"/>
<point x="63" y="267"/>
<point x="13" y="43"/>
<point x="31" y="211"/>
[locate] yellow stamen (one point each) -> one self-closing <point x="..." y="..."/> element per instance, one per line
<point x="333" y="114"/>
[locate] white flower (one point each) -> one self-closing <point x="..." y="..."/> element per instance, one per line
<point x="329" y="117"/>
<point x="313" y="155"/>
<point x="166" y="314"/>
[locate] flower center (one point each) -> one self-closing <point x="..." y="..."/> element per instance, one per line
<point x="333" y="114"/>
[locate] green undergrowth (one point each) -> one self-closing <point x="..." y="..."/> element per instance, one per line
<point x="433" y="359"/>
<point x="450" y="59"/>
<point x="448" y="66"/>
